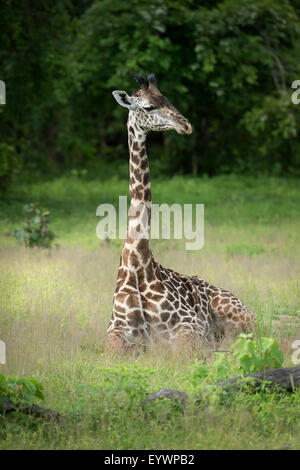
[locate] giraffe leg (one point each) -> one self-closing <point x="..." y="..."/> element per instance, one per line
<point x="116" y="343"/>
<point x="188" y="337"/>
<point x="228" y="310"/>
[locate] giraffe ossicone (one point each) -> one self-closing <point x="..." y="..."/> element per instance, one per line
<point x="151" y="300"/>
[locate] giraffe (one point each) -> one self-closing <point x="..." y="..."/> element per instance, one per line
<point x="151" y="300"/>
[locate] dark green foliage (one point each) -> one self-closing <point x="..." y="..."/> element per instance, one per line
<point x="8" y="164"/>
<point x="20" y="390"/>
<point x="16" y="393"/>
<point x="227" y="65"/>
<point x="249" y="355"/>
<point x="35" y="231"/>
<point x="257" y="354"/>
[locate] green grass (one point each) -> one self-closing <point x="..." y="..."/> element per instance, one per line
<point x="55" y="307"/>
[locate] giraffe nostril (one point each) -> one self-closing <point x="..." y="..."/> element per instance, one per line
<point x="183" y="126"/>
<point x="188" y="127"/>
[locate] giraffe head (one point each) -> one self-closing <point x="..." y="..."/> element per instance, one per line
<point x="150" y="110"/>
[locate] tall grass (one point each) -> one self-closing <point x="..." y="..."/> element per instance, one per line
<point x="55" y="307"/>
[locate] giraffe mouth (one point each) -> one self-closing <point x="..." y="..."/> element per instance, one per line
<point x="185" y="129"/>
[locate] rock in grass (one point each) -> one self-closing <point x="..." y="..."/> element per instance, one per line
<point x="288" y="378"/>
<point x="7" y="406"/>
<point x="174" y="395"/>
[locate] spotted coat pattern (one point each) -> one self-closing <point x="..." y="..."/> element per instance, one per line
<point x="151" y="300"/>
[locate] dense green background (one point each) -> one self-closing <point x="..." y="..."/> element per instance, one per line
<point x="227" y="65"/>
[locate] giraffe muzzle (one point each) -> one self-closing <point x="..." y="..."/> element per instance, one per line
<point x="185" y="128"/>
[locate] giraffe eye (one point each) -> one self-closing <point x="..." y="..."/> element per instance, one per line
<point x="148" y="108"/>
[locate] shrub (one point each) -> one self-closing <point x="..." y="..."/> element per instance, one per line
<point x="35" y="232"/>
<point x="258" y="354"/>
<point x="20" y="390"/>
<point x="249" y="355"/>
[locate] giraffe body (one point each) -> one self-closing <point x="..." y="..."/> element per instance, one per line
<point x="150" y="300"/>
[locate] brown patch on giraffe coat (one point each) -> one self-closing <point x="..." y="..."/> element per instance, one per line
<point x="215" y="302"/>
<point x="143" y="245"/>
<point x="134" y="261"/>
<point x="138" y="175"/>
<point x="191" y="300"/>
<point x="134" y="158"/>
<point x="157" y="287"/>
<point x="182" y="291"/>
<point x="132" y="301"/>
<point x="146" y="179"/>
<point x="186" y="318"/>
<point x="147" y="194"/>
<point x="140" y="275"/>
<point x="119" y="286"/>
<point x="144" y="164"/>
<point x="120" y="309"/>
<point x="157" y="297"/>
<point x="139" y="196"/>
<point x="148" y="317"/>
<point x="135" y="318"/>
<point x="174" y="318"/>
<point x="227" y="308"/>
<point x="158" y="272"/>
<point x="139" y="188"/>
<point x="166" y="305"/>
<point x="151" y="306"/>
<point x="165" y="316"/>
<point x="121" y="272"/>
<point x="125" y="254"/>
<point x="174" y="283"/>
<point x="132" y="279"/>
<point x="161" y="327"/>
<point x="150" y="273"/>
<point x="128" y="290"/>
<point x="121" y="297"/>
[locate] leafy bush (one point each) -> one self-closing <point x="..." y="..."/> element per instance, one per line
<point x="20" y="390"/>
<point x="249" y="355"/>
<point x="35" y="232"/>
<point x="258" y="354"/>
<point x="122" y="387"/>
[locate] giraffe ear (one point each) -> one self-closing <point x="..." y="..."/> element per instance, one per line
<point x="124" y="99"/>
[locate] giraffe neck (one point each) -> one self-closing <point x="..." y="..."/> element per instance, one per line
<point x="136" y="251"/>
